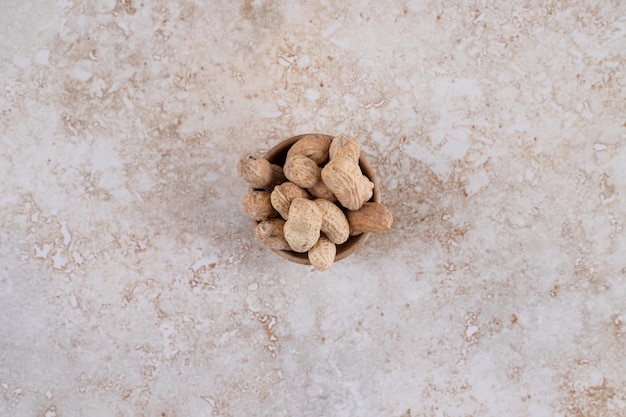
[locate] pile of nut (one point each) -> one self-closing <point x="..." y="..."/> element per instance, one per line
<point x="316" y="201"/>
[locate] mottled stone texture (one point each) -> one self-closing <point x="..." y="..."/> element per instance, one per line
<point x="132" y="284"/>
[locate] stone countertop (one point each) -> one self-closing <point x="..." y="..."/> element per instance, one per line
<point x="131" y="282"/>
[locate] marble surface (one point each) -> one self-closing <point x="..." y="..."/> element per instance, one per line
<point x="131" y="283"/>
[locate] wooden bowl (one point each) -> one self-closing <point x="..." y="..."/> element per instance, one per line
<point x="277" y="156"/>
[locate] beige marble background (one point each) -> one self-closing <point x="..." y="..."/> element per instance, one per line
<point x="131" y="283"/>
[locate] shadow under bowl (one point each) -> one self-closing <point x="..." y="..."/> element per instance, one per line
<point x="277" y="155"/>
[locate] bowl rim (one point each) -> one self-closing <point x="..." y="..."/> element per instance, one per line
<point x="277" y="154"/>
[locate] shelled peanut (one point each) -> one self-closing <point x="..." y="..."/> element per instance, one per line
<point x="315" y="201"/>
<point x="258" y="205"/>
<point x="259" y="172"/>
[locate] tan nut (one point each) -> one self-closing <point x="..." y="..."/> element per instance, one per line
<point x="313" y="146"/>
<point x="283" y="195"/>
<point x="345" y="179"/>
<point x="334" y="223"/>
<point x="259" y="172"/>
<point x="302" y="171"/>
<point x="321" y="190"/>
<point x="345" y="145"/>
<point x="322" y="254"/>
<point x="258" y="206"/>
<point x="271" y="233"/>
<point x="372" y="217"/>
<point x="302" y="228"/>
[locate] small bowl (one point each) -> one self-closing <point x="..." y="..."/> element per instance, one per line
<point x="277" y="156"/>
